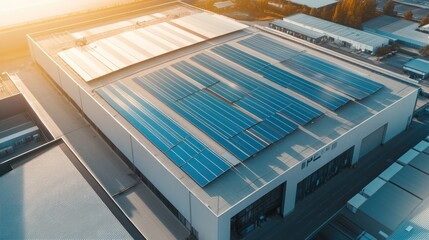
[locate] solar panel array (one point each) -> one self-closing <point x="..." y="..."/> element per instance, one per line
<point x="261" y="100"/>
<point x="239" y="133"/>
<point x="238" y="111"/>
<point x="308" y="89"/>
<point x="184" y="150"/>
<point x="329" y="74"/>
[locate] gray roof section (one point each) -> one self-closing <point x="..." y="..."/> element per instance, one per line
<point x="412" y="180"/>
<point x="390" y="205"/>
<point x="46" y="197"/>
<point x="298" y="29"/>
<point x="421" y="162"/>
<point x="418" y="64"/>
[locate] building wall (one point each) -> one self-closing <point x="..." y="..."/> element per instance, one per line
<point x="202" y="219"/>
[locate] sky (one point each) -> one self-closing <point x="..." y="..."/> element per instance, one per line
<point x="14" y="12"/>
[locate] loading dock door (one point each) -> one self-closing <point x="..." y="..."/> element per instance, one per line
<point x="372" y="141"/>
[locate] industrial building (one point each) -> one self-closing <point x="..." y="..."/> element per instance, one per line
<point x="397" y="29"/>
<point x="19" y="125"/>
<point x="228" y="123"/>
<point x="315" y="4"/>
<point x="47" y="193"/>
<point x="417" y="68"/>
<point x="395" y="204"/>
<point x="315" y="30"/>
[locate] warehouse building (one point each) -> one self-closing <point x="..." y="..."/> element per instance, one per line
<point x="311" y="29"/>
<point x="397" y="29"/>
<point x="315" y="4"/>
<point x="240" y="124"/>
<point x="20" y="128"/>
<point x="395" y="204"/>
<point x="417" y="68"/>
<point x="298" y="31"/>
<point x="47" y="193"/>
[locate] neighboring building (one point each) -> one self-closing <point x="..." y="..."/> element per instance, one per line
<point x="396" y="204"/>
<point x="223" y="5"/>
<point x="47" y="193"/>
<point x="20" y="128"/>
<point x="311" y="28"/>
<point x="417" y="68"/>
<point x="298" y="31"/>
<point x="228" y="123"/>
<point x="397" y="29"/>
<point x="315" y="4"/>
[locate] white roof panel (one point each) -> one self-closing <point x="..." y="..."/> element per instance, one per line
<point x="390" y="171"/>
<point x="115" y="52"/>
<point x="408" y="156"/>
<point x="421" y="146"/>
<point x="357" y="201"/>
<point x="373" y="187"/>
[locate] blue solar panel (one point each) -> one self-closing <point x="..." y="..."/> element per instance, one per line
<point x="310" y="90"/>
<point x="264" y="100"/>
<point x="218" y="119"/>
<point x="188" y="153"/>
<point x="334" y="76"/>
<point x="238" y="56"/>
<point x="269" y="47"/>
<point x="227" y="92"/>
<point x="196" y="74"/>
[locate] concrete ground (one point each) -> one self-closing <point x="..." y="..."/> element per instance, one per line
<point x="144" y="209"/>
<point x="316" y="209"/>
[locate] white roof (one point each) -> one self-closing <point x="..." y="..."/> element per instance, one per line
<point x="108" y="54"/>
<point x="357" y="201"/>
<point x="223" y="4"/>
<point x="408" y="156"/>
<point x="373" y="187"/>
<point x="421" y="146"/>
<point x="390" y="171"/>
<point x="315" y="4"/>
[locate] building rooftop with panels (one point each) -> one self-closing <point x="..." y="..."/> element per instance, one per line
<point x="398" y="29"/>
<point x="395" y="205"/>
<point x="48" y="194"/>
<point x="235" y="120"/>
<point x="348" y="36"/>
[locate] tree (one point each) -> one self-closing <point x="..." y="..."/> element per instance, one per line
<point x="408" y="15"/>
<point x="314" y="12"/>
<point x="326" y="13"/>
<point x="339" y="14"/>
<point x="424" y="51"/>
<point x="424" y="21"/>
<point x="389" y="7"/>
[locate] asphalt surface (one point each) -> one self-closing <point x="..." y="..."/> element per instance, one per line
<point x="316" y="209"/>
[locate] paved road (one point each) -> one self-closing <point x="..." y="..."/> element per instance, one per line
<point x="327" y="200"/>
